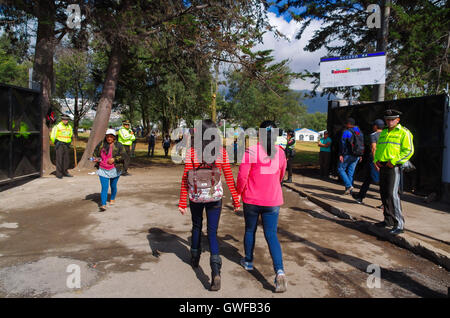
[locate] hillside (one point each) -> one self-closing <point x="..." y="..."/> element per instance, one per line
<point x="315" y="104"/>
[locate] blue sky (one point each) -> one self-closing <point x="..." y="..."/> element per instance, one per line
<point x="286" y="15"/>
<point x="292" y="48"/>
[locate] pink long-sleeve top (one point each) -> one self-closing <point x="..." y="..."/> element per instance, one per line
<point x="259" y="179"/>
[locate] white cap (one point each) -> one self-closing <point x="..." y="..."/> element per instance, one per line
<point x="110" y="132"/>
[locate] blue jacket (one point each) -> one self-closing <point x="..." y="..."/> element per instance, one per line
<point x="344" y="146"/>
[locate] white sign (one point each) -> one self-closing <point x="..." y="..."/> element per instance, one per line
<point x="353" y="70"/>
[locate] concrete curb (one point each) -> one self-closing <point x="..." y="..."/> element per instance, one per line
<point x="405" y="241"/>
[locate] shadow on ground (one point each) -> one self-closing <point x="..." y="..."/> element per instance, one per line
<point x="162" y="242"/>
<point x="395" y="277"/>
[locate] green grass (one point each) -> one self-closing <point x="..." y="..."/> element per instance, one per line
<point x="306" y="153"/>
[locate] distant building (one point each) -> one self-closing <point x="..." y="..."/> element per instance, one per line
<point x="305" y="134"/>
<point x="67" y="106"/>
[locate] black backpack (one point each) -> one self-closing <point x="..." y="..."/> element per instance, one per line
<point x="356" y="143"/>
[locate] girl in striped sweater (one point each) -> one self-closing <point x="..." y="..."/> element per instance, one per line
<point x="213" y="209"/>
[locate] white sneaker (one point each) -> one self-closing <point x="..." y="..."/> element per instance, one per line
<point x="247" y="265"/>
<point x="280" y="282"/>
<point x="348" y="191"/>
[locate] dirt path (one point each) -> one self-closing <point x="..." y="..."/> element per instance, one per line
<point x="140" y="247"/>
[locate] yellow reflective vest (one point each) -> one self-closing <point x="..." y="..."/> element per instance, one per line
<point x="126" y="137"/>
<point x="281" y="141"/>
<point x="62" y="133"/>
<point x="23" y="130"/>
<point x="395" y="146"/>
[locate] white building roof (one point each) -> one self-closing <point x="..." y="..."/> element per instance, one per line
<point x="306" y="131"/>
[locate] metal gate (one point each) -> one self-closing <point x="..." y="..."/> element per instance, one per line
<point x="423" y="116"/>
<point x="20" y="133"/>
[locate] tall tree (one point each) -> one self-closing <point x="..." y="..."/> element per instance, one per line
<point x="74" y="82"/>
<point x="51" y="28"/>
<point x="13" y="67"/>
<point x="262" y="94"/>
<point x="124" y="23"/>
<point x="416" y="41"/>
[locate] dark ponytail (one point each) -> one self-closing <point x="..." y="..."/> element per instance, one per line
<point x="269" y="143"/>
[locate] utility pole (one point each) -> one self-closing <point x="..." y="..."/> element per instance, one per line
<point x="382" y="41"/>
<point x="30" y="78"/>
<point x="224" y="132"/>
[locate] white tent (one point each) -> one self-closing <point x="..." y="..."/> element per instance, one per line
<point x="305" y="134"/>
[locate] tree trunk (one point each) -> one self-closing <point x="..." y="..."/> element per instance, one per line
<point x="76" y="124"/>
<point x="76" y="117"/>
<point x="144" y="117"/>
<point x="43" y="70"/>
<point x="104" y="106"/>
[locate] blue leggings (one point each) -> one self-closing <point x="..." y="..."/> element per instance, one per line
<point x="269" y="216"/>
<point x="105" y="186"/>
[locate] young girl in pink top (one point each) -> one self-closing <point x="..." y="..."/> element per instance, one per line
<point x="109" y="158"/>
<point x="259" y="183"/>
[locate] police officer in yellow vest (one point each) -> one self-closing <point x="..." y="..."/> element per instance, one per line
<point x="394" y="148"/>
<point x="61" y="136"/>
<point x="126" y="138"/>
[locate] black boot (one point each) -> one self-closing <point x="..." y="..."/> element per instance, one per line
<point x="216" y="265"/>
<point x="195" y="257"/>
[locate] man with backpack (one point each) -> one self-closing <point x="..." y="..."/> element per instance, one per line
<point x="351" y="150"/>
<point x="372" y="171"/>
<point x="151" y="143"/>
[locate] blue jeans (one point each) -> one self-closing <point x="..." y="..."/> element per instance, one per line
<point x="372" y="176"/>
<point x="346" y="169"/>
<point x="213" y="210"/>
<point x="269" y="216"/>
<point x="106" y="182"/>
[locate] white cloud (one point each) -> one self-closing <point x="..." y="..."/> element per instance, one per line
<point x="293" y="49"/>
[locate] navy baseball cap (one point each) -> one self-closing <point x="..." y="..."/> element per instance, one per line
<point x="350" y="121"/>
<point x="379" y="123"/>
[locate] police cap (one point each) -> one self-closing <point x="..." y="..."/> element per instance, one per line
<point x="392" y="114"/>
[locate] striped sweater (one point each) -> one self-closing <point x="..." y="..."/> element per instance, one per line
<point x="222" y="163"/>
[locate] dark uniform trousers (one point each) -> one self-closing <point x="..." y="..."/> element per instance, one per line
<point x="324" y="161"/>
<point x="133" y="147"/>
<point x="289" y="168"/>
<point x="126" y="161"/>
<point x="390" y="196"/>
<point x="62" y="158"/>
<point x="151" y="148"/>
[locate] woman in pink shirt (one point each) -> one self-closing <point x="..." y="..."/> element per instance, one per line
<point x="259" y="183"/>
<point x="109" y="156"/>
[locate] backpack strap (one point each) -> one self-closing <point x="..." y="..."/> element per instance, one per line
<point x="195" y="171"/>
